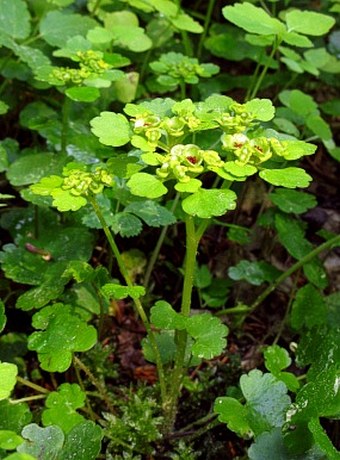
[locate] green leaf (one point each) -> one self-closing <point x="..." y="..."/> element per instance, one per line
<point x="62" y="405"/>
<point x="42" y="443"/>
<point x="166" y="345"/>
<point x="261" y="109"/>
<point x="234" y="414"/>
<point x="164" y="316"/>
<point x="268" y="443"/>
<point x="238" y="170"/>
<point x="3" y="318"/>
<point x="319" y="127"/>
<point x="287" y="177"/>
<point x="64" y="200"/>
<point x="83" y="94"/>
<point x="185" y="22"/>
<point x="188" y="187"/>
<point x="152" y="213"/>
<point x="31" y="168"/>
<point x="296" y="149"/>
<point x="132" y="38"/>
<point x="202" y="276"/>
<point x="14" y="416"/>
<point x="83" y="441"/>
<point x="309" y="22"/>
<point x="8" y="379"/>
<point x="64" y="333"/>
<point x="126" y="224"/>
<point x="15" y="18"/>
<point x="253" y="272"/>
<point x="292" y="236"/>
<point x="208" y="203"/>
<point x="309" y="308"/>
<point x="146" y="185"/>
<point x="253" y="19"/>
<point x="276" y="359"/>
<point x="17" y="456"/>
<point x="111" y="128"/>
<point x="9" y="440"/>
<point x="209" y="334"/>
<point x="117" y="291"/>
<point x="292" y="201"/>
<point x="56" y="28"/>
<point x="322" y="440"/>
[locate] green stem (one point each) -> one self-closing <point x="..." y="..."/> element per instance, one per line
<point x="263" y="73"/>
<point x="239" y="309"/>
<point x="27" y="399"/>
<point x="139" y="307"/>
<point x="65" y="120"/>
<point x="326" y="245"/>
<point x="96" y="6"/>
<point x="207" y="20"/>
<point x="192" y="241"/>
<point x="32" y="385"/>
<point x="183" y="89"/>
<point x="158" y="246"/>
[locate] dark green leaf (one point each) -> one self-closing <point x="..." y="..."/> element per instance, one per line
<point x="152" y="213"/>
<point x="292" y="201"/>
<point x="15" y="18"/>
<point x="309" y="308"/>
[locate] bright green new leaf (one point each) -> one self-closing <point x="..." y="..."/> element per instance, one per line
<point x="3" y="318"/>
<point x="253" y="19"/>
<point x="46" y="185"/>
<point x="234" y="414"/>
<point x="185" y="22"/>
<point x="64" y="333"/>
<point x="17" y="456"/>
<point x="15" y="18"/>
<point x="287" y="177"/>
<point x="309" y="22"/>
<point x="276" y="359"/>
<point x="309" y="308"/>
<point x="261" y="109"/>
<point x="188" y="187"/>
<point x="292" y="38"/>
<point x="238" y="170"/>
<point x="152" y="213"/>
<point x="253" y="272"/>
<point x="297" y="149"/>
<point x="208" y="203"/>
<point x="64" y="200"/>
<point x="116" y="291"/>
<point x="62" y="405"/>
<point x="146" y="185"/>
<point x="209" y="334"/>
<point x="292" y="201"/>
<point x="111" y="129"/>
<point x="9" y="440"/>
<point x="56" y="28"/>
<point x="83" y="93"/>
<point x="8" y="379"/>
<point x="165" y="317"/>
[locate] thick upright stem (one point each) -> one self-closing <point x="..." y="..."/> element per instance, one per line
<point x="64" y="127"/>
<point x="138" y="304"/>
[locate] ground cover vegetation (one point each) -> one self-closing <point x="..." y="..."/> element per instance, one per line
<point x="169" y="230"/>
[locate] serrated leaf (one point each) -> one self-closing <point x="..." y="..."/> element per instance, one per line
<point x="152" y="213"/>
<point x="62" y="405"/>
<point x="126" y="224"/>
<point x="3" y="318"/>
<point x="287" y="177"/>
<point x="146" y="185"/>
<point x="276" y="359"/>
<point x="117" y="291"/>
<point x="309" y="308"/>
<point x="15" y="18"/>
<point x="111" y="129"/>
<point x="261" y="109"/>
<point x="83" y="93"/>
<point x="209" y="334"/>
<point x="64" y="333"/>
<point x="234" y="414"/>
<point x="165" y="317"/>
<point x="292" y="201"/>
<point x="56" y="28"/>
<point x="253" y="19"/>
<point x="253" y="272"/>
<point x="209" y="203"/>
<point x="309" y="22"/>
<point x="8" y="379"/>
<point x="64" y="201"/>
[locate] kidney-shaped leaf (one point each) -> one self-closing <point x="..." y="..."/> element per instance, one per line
<point x="146" y="185"/>
<point x="288" y="177"/>
<point x="261" y="109"/>
<point x="208" y="203"/>
<point x="111" y="128"/>
<point x="209" y="334"/>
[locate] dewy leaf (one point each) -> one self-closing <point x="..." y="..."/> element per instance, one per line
<point x="117" y="291"/>
<point x="234" y="414"/>
<point x="64" y="333"/>
<point x="209" y="334"/>
<point x="276" y="359"/>
<point x="309" y="22"/>
<point x="288" y="177"/>
<point x="3" y="318"/>
<point x="267" y="400"/>
<point x="146" y="185"/>
<point x="61" y="407"/>
<point x="271" y="442"/>
<point x="261" y="109"/>
<point x="208" y="203"/>
<point x="253" y="19"/>
<point x="152" y="213"/>
<point x="165" y="317"/>
<point x="15" y="18"/>
<point x="111" y="129"/>
<point x="8" y="378"/>
<point x="42" y="443"/>
<point x="292" y="201"/>
<point x="82" y="442"/>
<point x="309" y="308"/>
<point x="57" y="27"/>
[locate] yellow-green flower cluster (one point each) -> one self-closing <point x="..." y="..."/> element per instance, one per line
<point x="83" y="183"/>
<point x="91" y="63"/>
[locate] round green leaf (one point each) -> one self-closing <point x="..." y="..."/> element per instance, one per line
<point x="83" y="93"/>
<point x="261" y="109"/>
<point x="309" y="22"/>
<point x="9" y="440"/>
<point x="208" y="203"/>
<point x="287" y="177"/>
<point x="43" y="443"/>
<point x="292" y="201"/>
<point x="111" y="128"/>
<point x="146" y="185"/>
<point x="234" y="414"/>
<point x="15" y="18"/>
<point x="31" y="168"/>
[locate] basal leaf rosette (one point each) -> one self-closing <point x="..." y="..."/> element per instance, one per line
<point x="71" y="191"/>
